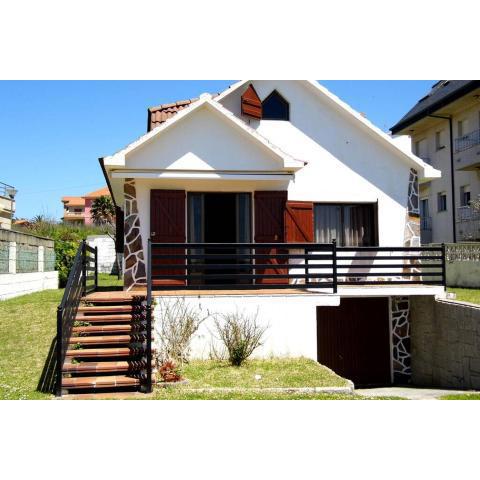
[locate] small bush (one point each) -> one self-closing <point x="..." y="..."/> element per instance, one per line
<point x="241" y="335"/>
<point x="169" y="372"/>
<point x="179" y="322"/>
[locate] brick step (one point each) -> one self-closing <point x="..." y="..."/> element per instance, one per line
<point x="111" y="328"/>
<point x="120" y="352"/>
<point x="111" y="381"/>
<point x="104" y="367"/>
<point x="106" y="308"/>
<point x="107" y="339"/>
<point x="104" y="318"/>
<point x="119" y="299"/>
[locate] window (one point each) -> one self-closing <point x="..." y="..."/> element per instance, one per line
<point x="439" y="140"/>
<point x="441" y="201"/>
<point x="465" y="196"/>
<point x="462" y="127"/>
<point x="350" y="225"/>
<point x="275" y="107"/>
<point x="421" y="148"/>
<point x="424" y="209"/>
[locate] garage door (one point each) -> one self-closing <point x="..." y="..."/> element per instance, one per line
<point x="353" y="339"/>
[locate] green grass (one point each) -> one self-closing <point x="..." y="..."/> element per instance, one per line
<point x="471" y="295"/>
<point x="27" y="328"/>
<point x="461" y="396"/>
<point x="177" y="394"/>
<point x="277" y="372"/>
<point x="107" y="280"/>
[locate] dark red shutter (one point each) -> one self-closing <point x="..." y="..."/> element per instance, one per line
<point x="251" y="103"/>
<point x="270" y="228"/>
<point x="299" y="222"/>
<point x="167" y="225"/>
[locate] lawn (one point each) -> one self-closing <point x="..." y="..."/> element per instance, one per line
<point x="471" y="295"/>
<point x="461" y="396"/>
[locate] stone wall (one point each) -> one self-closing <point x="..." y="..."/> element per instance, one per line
<point x="445" y="338"/>
<point x="401" y="358"/>
<point x="134" y="267"/>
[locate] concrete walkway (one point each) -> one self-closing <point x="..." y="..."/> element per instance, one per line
<point x="410" y="393"/>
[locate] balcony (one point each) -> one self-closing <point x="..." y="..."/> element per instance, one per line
<point x="467" y="157"/>
<point x="301" y="266"/>
<point x="425" y="230"/>
<point x="468" y="224"/>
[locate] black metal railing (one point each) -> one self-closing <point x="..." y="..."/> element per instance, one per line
<point x="148" y="383"/>
<point x="467" y="141"/>
<point x="231" y="266"/>
<point x="83" y="279"/>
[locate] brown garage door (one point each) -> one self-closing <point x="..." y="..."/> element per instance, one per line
<point x="353" y="340"/>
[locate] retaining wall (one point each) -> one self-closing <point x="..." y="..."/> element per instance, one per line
<point x="445" y="342"/>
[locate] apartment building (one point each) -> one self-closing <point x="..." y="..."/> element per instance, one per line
<point x="7" y="205"/>
<point x="77" y="210"/>
<point x="444" y="127"/>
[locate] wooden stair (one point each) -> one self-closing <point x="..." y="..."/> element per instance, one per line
<point x="106" y="351"/>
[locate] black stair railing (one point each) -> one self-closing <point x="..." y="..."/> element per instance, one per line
<point x="148" y="383"/>
<point x="83" y="279"/>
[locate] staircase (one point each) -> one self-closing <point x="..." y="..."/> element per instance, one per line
<point x="107" y="347"/>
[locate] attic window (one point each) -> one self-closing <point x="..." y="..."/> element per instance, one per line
<point x="275" y="107"/>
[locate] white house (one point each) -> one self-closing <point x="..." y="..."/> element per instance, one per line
<point x="286" y="200"/>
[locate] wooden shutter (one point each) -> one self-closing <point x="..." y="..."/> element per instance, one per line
<point x="167" y="225"/>
<point x="270" y="228"/>
<point x="299" y="222"/>
<point x="251" y="104"/>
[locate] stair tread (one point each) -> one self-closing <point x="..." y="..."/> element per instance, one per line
<point x="103" y="328"/>
<point x="103" y="318"/>
<point x="117" y="366"/>
<point x="105" y="352"/>
<point x="106" y="308"/>
<point x="101" y="339"/>
<point x="100" y="382"/>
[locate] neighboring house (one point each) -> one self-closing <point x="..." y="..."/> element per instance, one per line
<point x="277" y="196"/>
<point x="7" y="205"/>
<point x="77" y="210"/>
<point x="445" y="130"/>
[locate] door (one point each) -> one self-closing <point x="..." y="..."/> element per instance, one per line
<point x="353" y="340"/>
<point x="270" y="228"/>
<point x="167" y="225"/>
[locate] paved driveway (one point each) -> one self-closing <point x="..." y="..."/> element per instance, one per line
<point x="410" y="393"/>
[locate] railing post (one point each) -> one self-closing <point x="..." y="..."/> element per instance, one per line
<point x="444" y="267"/>
<point x="96" y="268"/>
<point x="84" y="268"/>
<point x="334" y="265"/>
<point x="59" y="353"/>
<point x="149" y="317"/>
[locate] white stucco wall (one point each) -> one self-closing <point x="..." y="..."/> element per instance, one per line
<point x="14" y="285"/>
<point x="290" y="321"/>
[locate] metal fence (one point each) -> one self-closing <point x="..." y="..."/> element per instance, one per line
<point x="27" y="258"/>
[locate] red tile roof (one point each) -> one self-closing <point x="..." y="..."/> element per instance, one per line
<point x="98" y="193"/>
<point x="74" y="201"/>
<point x="161" y="113"/>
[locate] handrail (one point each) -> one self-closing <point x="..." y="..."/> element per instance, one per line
<point x="148" y="386"/>
<point x="75" y="289"/>
<point x="280" y="265"/>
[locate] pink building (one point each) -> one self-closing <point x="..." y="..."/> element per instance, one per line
<point x="78" y="209"/>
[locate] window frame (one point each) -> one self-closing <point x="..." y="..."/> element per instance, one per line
<point x="441" y="195"/>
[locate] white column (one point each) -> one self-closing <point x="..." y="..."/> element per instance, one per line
<point x="12" y="257"/>
<point x="41" y="258"/>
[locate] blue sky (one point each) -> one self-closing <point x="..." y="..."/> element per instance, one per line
<point x="52" y="132"/>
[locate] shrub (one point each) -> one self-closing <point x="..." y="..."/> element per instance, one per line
<point x="169" y="372"/>
<point x="178" y="324"/>
<point x="67" y="239"/>
<point x="241" y="335"/>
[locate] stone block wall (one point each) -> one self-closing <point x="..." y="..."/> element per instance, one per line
<point x="445" y="337"/>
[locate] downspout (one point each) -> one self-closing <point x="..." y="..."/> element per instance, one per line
<point x="452" y="172"/>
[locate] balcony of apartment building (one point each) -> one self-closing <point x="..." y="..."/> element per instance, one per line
<point x="467" y="151"/>
<point x="74" y="215"/>
<point x="468" y="223"/>
<point x="7" y="205"/>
